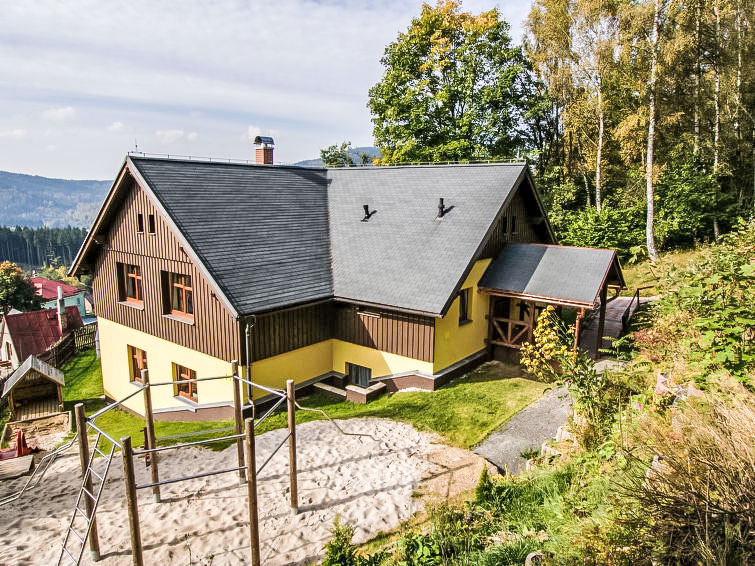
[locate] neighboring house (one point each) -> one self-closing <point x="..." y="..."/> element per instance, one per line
<point x="34" y="390"/>
<point x="364" y="274"/>
<point x="34" y="332"/>
<point x="48" y="290"/>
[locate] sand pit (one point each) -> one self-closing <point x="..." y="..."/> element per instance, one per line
<point x="369" y="483"/>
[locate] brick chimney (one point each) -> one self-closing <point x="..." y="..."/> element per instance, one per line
<point x="62" y="316"/>
<point x="264" y="150"/>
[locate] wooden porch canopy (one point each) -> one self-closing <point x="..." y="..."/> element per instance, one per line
<point x="558" y="275"/>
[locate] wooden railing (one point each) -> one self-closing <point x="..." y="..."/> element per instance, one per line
<point x="513" y="334"/>
<point x="628" y="311"/>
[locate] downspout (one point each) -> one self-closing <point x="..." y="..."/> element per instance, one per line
<point x="248" y="334"/>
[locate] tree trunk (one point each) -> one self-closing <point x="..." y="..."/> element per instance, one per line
<point x="716" y="119"/>
<point x="599" y="156"/>
<point x="698" y="73"/>
<point x="650" y="223"/>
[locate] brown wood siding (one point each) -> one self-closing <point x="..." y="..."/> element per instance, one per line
<point x="407" y="335"/>
<point x="214" y="331"/>
<point x="526" y="231"/>
<point x="403" y="334"/>
<point x="280" y="332"/>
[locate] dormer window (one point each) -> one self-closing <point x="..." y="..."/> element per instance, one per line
<point x="140" y="222"/>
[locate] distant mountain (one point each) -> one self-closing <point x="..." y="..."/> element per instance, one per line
<point x="30" y="200"/>
<point x="355" y="153"/>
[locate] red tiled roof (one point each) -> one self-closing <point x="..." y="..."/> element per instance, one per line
<point x="34" y="332"/>
<point x="48" y="289"/>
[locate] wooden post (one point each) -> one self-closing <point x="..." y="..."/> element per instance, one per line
<point x="491" y="315"/>
<point x="291" y="397"/>
<point x="580" y="314"/>
<point x="237" y="418"/>
<point x="81" y="431"/>
<point x="531" y="322"/>
<point x="251" y="485"/>
<point x="150" y="428"/>
<point x="132" y="503"/>
<point x="601" y="320"/>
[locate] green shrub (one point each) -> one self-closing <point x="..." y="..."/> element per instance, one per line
<point x="340" y="552"/>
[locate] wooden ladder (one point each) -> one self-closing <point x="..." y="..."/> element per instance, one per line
<point x="79" y="538"/>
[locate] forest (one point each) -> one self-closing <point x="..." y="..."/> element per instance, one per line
<point x="35" y="247"/>
<point x="635" y="115"/>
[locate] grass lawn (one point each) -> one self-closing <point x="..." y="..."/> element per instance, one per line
<point x="464" y="412"/>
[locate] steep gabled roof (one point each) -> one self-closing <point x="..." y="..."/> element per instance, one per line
<point x="32" y="364"/>
<point x="269" y="237"/>
<point x="48" y="289"/>
<point x="404" y="256"/>
<point x="35" y="331"/>
<point x="565" y="275"/>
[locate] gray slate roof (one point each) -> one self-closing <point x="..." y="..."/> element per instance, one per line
<point x="404" y="256"/>
<point x="557" y="272"/>
<point x="261" y="231"/>
<point x="277" y="236"/>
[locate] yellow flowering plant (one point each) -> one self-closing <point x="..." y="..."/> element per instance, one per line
<point x="550" y="354"/>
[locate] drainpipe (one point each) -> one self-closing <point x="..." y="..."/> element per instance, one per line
<point x="248" y="334"/>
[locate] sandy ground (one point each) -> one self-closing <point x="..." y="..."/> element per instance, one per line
<point x="374" y="484"/>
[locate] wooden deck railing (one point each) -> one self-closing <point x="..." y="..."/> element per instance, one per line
<point x="628" y="311"/>
<point x="512" y="336"/>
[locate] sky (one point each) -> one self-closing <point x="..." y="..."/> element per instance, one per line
<point x="84" y="82"/>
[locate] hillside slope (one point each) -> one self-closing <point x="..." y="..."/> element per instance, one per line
<point x="31" y="200"/>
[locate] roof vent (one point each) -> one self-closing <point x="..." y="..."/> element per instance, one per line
<point x="441" y="208"/>
<point x="264" y="150"/>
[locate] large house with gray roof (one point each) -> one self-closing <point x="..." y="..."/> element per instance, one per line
<point x="365" y="277"/>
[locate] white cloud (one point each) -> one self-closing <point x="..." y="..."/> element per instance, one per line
<point x="51" y="147"/>
<point x="14" y="133"/>
<point x="192" y="136"/>
<point x="59" y="114"/>
<point x="169" y="136"/>
<point x="115" y="127"/>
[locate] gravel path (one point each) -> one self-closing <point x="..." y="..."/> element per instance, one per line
<point x="528" y="429"/>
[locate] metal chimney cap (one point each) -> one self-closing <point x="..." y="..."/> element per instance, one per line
<point x="263" y="140"/>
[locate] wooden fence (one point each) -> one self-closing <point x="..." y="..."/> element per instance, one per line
<point x="62" y="351"/>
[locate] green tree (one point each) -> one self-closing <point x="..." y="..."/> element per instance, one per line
<point x="338" y="156"/>
<point x="16" y="291"/>
<point x="454" y="88"/>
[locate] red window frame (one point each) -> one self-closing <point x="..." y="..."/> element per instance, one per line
<point x="181" y="284"/>
<point x="187" y="390"/>
<point x="133" y="272"/>
<point x="138" y="362"/>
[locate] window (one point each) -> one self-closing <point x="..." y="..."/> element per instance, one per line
<point x="513" y="224"/>
<point x="138" y="359"/>
<point x="8" y="352"/>
<point x="464" y="306"/>
<point x="140" y="222"/>
<point x="358" y="375"/>
<point x="189" y="388"/>
<point x="151" y="223"/>
<point x="130" y="283"/>
<point x="179" y="295"/>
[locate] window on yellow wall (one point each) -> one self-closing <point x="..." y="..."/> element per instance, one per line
<point x="138" y="359"/>
<point x="185" y="387"/>
<point x="464" y="295"/>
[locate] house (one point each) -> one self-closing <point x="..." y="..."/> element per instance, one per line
<point x="35" y="332"/>
<point x="355" y="275"/>
<point x="49" y="289"/>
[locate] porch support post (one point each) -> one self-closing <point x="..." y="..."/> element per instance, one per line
<point x="601" y="320"/>
<point x="491" y="330"/>
<point x="531" y="322"/>
<point x="577" y="324"/>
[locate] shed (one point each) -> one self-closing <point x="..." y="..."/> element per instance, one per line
<point x="34" y="390"/>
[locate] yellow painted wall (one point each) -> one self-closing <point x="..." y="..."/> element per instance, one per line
<point x="161" y="355"/>
<point x="454" y="342"/>
<point x="300" y="365"/>
<point x="381" y="363"/>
